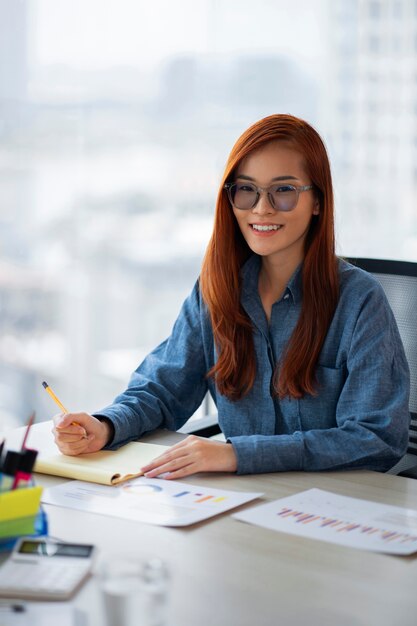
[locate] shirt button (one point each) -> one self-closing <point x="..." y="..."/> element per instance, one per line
<point x="286" y="297"/>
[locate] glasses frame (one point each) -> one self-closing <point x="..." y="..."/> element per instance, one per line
<point x="228" y="187"/>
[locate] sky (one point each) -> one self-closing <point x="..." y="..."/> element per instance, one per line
<point x="100" y="34"/>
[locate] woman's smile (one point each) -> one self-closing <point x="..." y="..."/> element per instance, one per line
<point x="265" y="230"/>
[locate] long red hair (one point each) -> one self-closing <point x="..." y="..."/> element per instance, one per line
<point x="220" y="283"/>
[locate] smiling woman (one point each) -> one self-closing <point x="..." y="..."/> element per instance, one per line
<point x="282" y="333"/>
<point x="278" y="221"/>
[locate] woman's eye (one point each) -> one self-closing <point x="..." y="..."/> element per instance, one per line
<point x="283" y="189"/>
<point x="246" y="188"/>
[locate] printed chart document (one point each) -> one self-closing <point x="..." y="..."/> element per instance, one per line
<point x="339" y="519"/>
<point x="106" y="466"/>
<point x="153" y="501"/>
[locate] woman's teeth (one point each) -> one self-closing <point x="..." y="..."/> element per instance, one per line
<point x="269" y="227"/>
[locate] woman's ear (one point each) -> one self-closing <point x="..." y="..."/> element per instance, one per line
<point x="316" y="208"/>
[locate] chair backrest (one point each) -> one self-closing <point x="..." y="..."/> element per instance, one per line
<point x="399" y="281"/>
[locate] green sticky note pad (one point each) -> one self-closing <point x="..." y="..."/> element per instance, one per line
<point x="18" y="510"/>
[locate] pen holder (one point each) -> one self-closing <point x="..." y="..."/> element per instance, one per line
<point x="20" y="514"/>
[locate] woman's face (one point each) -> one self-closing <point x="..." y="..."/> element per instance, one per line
<point x="276" y="162"/>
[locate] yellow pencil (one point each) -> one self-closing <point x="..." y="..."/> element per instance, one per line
<point x="54" y="398"/>
<point x="58" y="402"/>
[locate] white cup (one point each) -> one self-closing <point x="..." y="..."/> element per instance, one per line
<point x="135" y="593"/>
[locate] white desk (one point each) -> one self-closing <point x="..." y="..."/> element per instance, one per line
<point x="227" y="573"/>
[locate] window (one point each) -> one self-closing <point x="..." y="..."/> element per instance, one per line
<point x="115" y="123"/>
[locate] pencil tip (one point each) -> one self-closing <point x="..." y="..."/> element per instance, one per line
<point x="44" y="384"/>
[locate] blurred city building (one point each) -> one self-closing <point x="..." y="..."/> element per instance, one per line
<point x="371" y="100"/>
<point x="109" y="176"/>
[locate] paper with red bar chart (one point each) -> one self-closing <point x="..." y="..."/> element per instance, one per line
<point x="153" y="501"/>
<point x="319" y="514"/>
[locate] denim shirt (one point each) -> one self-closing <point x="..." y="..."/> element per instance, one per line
<point x="358" y="419"/>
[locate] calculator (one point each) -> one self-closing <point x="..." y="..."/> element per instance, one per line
<point x="43" y="569"/>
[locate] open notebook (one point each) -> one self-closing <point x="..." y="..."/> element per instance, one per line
<point x="104" y="467"/>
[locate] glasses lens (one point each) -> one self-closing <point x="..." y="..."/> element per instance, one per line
<point x="243" y="195"/>
<point x="284" y="197"/>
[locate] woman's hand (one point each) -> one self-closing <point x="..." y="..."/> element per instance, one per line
<point x="194" y="454"/>
<point x="79" y="433"/>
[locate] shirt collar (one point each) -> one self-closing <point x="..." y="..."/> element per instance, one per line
<point x="250" y="275"/>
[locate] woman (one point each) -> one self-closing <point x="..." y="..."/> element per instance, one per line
<point x="299" y="350"/>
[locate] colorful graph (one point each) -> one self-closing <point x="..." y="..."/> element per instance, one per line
<point x="343" y="526"/>
<point x="201" y="497"/>
<point x="142" y="490"/>
<point x="150" y="489"/>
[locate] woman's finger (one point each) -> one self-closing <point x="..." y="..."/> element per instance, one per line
<point x="78" y="447"/>
<point x="171" y="454"/>
<point x="165" y="465"/>
<point x="184" y="471"/>
<point x="170" y="465"/>
<point x="65" y="438"/>
<point x="69" y="430"/>
<point x="167" y="457"/>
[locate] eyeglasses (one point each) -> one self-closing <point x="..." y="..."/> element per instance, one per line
<point x="281" y="197"/>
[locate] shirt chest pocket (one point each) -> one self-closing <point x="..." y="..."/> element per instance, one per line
<point x="319" y="411"/>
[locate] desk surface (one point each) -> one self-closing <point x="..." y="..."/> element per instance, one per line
<point x="225" y="572"/>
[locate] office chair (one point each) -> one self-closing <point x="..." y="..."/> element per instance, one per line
<point x="399" y="281"/>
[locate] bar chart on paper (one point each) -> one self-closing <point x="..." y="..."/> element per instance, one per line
<point x="154" y="501"/>
<point x="339" y="519"/>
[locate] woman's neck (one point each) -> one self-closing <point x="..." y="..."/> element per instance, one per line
<point x="273" y="279"/>
<point x="275" y="274"/>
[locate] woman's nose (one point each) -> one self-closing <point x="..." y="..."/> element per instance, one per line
<point x="263" y="206"/>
